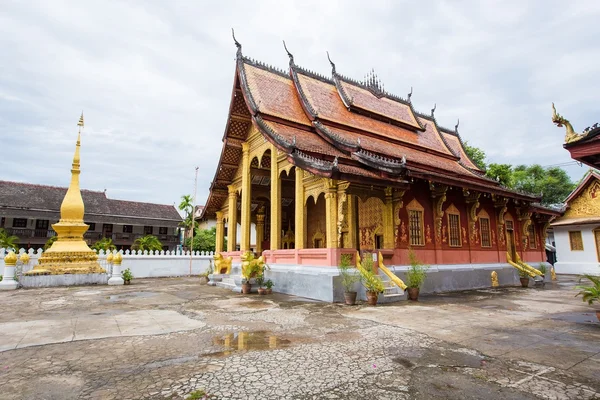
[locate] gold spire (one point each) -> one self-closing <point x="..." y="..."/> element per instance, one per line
<point x="70" y="254"/>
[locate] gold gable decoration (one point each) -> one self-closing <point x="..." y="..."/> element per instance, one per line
<point x="587" y="204"/>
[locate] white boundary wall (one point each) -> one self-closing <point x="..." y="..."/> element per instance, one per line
<point x="143" y="265"/>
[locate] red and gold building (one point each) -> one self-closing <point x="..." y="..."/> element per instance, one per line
<point x="326" y="165"/>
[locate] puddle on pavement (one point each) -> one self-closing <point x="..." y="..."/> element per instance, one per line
<point x="458" y="357"/>
<point x="131" y="295"/>
<point x="578" y="318"/>
<point x="248" y="341"/>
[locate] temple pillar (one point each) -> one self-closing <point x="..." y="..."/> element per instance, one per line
<point x="219" y="238"/>
<point x="246" y="196"/>
<point x="438" y="197"/>
<point x="331" y="215"/>
<point x="352" y="222"/>
<point x="260" y="230"/>
<point x="232" y="219"/>
<point x="300" y="229"/>
<point x="275" y="201"/>
<point x="388" y="220"/>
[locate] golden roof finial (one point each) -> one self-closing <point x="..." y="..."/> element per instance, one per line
<point x="80" y="123"/>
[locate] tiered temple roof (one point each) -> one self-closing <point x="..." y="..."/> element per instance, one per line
<point x="340" y="128"/>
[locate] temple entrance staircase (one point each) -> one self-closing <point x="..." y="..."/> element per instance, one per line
<point x="391" y="292"/>
<point x="536" y="275"/>
<point x="226" y="282"/>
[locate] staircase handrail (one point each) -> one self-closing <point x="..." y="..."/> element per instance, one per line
<point x="397" y="281"/>
<point x="519" y="267"/>
<point x="528" y="267"/>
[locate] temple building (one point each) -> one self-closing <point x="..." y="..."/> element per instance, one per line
<point x="577" y="232"/>
<point x="327" y="165"/>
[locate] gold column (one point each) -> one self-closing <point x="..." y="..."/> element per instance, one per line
<point x="232" y="219"/>
<point x="275" y="201"/>
<point x="352" y="244"/>
<point x="246" y="196"/>
<point x="331" y="211"/>
<point x="388" y="220"/>
<point x="260" y="230"/>
<point x="300" y="233"/>
<point x="219" y="239"/>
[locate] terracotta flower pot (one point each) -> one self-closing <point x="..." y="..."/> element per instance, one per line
<point x="203" y="280"/>
<point x="246" y="287"/>
<point x="598" y="314"/>
<point x="262" y="291"/>
<point x="269" y="291"/>
<point x="413" y="293"/>
<point x="350" y="298"/>
<point x="372" y="298"/>
<point x="128" y="282"/>
<point x="524" y="282"/>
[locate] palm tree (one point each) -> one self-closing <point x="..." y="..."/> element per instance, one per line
<point x="49" y="242"/>
<point x="105" y="244"/>
<point x="187" y="207"/>
<point x="8" y="241"/>
<point x="148" y="242"/>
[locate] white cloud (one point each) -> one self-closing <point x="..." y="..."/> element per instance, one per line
<point x="154" y="78"/>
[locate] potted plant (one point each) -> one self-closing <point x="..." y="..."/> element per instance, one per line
<point x="127" y="276"/>
<point x="524" y="277"/>
<point x="371" y="281"/>
<point x="415" y="276"/>
<point x="591" y="294"/>
<point x="349" y="279"/>
<point x="251" y="268"/>
<point x="260" y="281"/>
<point x="542" y="268"/>
<point x="269" y="285"/>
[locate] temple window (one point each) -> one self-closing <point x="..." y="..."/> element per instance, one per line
<point x="415" y="222"/>
<point x="163" y="230"/>
<point x="484" y="226"/>
<point x="127" y="228"/>
<point x="148" y="230"/>
<point x="41" y="224"/>
<point x="454" y="239"/>
<point x="576" y="241"/>
<point x="19" y="223"/>
<point x="532" y="238"/>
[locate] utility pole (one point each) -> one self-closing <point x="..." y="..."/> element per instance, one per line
<point x="193" y="220"/>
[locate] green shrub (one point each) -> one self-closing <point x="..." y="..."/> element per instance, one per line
<point x="348" y="273"/>
<point x="417" y="272"/>
<point x="127" y="275"/>
<point x="542" y="268"/>
<point x="590" y="294"/>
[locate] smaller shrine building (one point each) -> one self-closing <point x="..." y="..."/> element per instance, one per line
<point x="577" y="232"/>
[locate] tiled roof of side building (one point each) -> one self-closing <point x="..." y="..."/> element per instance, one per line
<point x="21" y="195"/>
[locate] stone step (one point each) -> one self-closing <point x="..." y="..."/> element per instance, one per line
<point x="391" y="296"/>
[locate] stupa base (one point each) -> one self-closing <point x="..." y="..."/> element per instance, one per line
<point x="38" y="281"/>
<point x="66" y="269"/>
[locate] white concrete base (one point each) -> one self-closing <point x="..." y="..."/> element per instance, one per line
<point x="30" y="281"/>
<point x="116" y="280"/>
<point x="576" y="268"/>
<point x="9" y="284"/>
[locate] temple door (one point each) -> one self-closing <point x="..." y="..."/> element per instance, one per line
<point x="510" y="243"/>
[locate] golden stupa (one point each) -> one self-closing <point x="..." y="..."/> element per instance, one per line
<point x="70" y="254"/>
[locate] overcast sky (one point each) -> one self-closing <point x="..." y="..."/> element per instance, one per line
<point x="154" y="78"/>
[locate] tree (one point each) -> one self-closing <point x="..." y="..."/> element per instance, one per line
<point x="187" y="207"/>
<point x="105" y="244"/>
<point x="205" y="240"/>
<point x="476" y="155"/>
<point x="554" y="184"/>
<point x="501" y="173"/>
<point x="8" y="241"/>
<point x="49" y="242"/>
<point x="147" y="242"/>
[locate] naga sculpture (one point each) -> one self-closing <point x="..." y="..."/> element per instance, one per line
<point x="560" y="121"/>
<point x="222" y="264"/>
<point x="495" y="282"/>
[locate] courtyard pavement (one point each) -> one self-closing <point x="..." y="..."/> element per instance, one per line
<point x="165" y="338"/>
